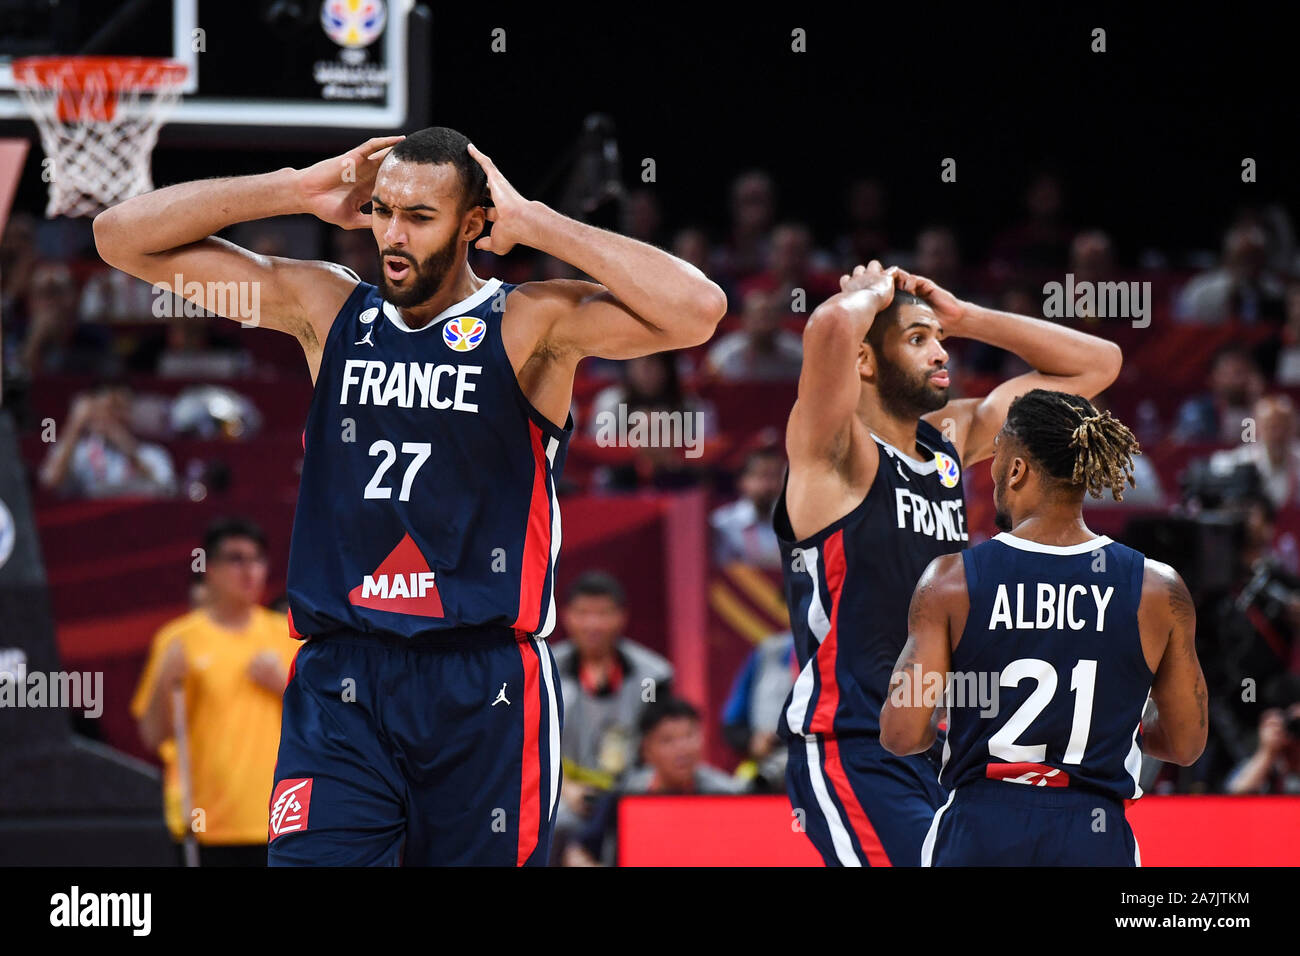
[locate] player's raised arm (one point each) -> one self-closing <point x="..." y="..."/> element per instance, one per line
<point x="1063" y="359"/>
<point x="644" y="300"/>
<point x="1179" y="731"/>
<point x="830" y="382"/>
<point x="938" y="611"/>
<point x="170" y="233"/>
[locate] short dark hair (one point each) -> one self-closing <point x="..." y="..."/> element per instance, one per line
<point x="654" y="714"/>
<point x="597" y="584"/>
<point x="887" y="316"/>
<point x="436" y="145"/>
<point x="222" y="529"/>
<point x="1078" y="446"/>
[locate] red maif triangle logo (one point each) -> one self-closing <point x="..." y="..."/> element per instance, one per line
<point x="403" y="584"/>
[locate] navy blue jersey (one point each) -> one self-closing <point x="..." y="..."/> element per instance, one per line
<point x="849" y="585"/>
<point x="1053" y="635"/>
<point x="427" y="499"/>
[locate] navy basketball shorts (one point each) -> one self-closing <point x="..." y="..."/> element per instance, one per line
<point x="995" y="823"/>
<point x="861" y="805"/>
<point x="442" y="751"/>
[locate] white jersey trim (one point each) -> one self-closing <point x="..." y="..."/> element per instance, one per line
<point x="819" y="626"/>
<point x="920" y="467"/>
<point x="549" y="624"/>
<point x="1024" y="544"/>
<point x="485" y="291"/>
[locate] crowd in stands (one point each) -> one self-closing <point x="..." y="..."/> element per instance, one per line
<point x="1227" y="454"/>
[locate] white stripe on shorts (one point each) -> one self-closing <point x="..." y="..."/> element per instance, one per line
<point x="927" y="848"/>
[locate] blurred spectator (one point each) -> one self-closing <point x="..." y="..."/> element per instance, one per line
<point x="753" y="710"/>
<point x="753" y="207"/>
<point x="1041" y="240"/>
<point x="214" y="411"/>
<point x="652" y="384"/>
<point x="55" y="340"/>
<point x="1288" y="364"/>
<point x="938" y="257"/>
<point x="672" y="744"/>
<point x="1274" y="767"/>
<point x="1236" y="384"/>
<point x="1242" y="287"/>
<point x="672" y="747"/>
<point x="230" y="659"/>
<point x="113" y="296"/>
<point x="1092" y="258"/>
<point x="760" y="350"/>
<point x="97" y="456"/>
<point x="986" y="359"/>
<point x="692" y="245"/>
<point x="793" y="266"/>
<point x="18" y="259"/>
<point x="866" y="237"/>
<point x="194" y="349"/>
<point x="1246" y="636"/>
<point x="1274" y="452"/>
<point x="606" y="681"/>
<point x="642" y="218"/>
<point x="742" y="530"/>
<point x="1147" y="490"/>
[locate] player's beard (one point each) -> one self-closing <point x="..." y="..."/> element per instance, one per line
<point x="906" y="395"/>
<point x="1001" y="514"/>
<point x="426" y="277"/>
<point x="1001" y="518"/>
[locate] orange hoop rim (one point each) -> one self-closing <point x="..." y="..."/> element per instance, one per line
<point x="110" y="73"/>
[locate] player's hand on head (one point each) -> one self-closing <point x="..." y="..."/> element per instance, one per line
<point x="335" y="189"/>
<point x="510" y="213"/>
<point x="872" y="278"/>
<point x="947" y="307"/>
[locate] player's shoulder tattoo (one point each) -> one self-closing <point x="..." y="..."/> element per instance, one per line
<point x="1177" y="597"/>
<point x="1181" y="604"/>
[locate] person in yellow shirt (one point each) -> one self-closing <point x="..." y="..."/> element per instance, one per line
<point x="231" y="658"/>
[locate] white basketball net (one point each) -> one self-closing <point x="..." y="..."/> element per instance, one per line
<point x="100" y="150"/>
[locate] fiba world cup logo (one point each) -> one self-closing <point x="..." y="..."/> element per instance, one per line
<point x="949" y="473"/>
<point x="464" y="334"/>
<point x="353" y="23"/>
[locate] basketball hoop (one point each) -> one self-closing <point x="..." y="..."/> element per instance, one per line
<point x="99" y="118"/>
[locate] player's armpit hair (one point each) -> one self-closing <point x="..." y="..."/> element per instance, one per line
<point x="307" y="335"/>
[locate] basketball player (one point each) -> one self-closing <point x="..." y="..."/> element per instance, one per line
<point x="422" y="721"/>
<point x="1071" y="631"/>
<point x="873" y="494"/>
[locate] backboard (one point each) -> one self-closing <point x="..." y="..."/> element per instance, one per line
<point x="259" y="70"/>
